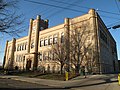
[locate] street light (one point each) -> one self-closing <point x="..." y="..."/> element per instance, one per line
<point x="116" y="26"/>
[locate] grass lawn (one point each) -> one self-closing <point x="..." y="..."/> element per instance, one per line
<point x="52" y="76"/>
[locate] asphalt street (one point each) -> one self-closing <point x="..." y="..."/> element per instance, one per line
<point x="7" y="83"/>
<point x="92" y="82"/>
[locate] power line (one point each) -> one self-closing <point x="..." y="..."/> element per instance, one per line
<point x="117" y="6"/>
<point x="116" y="26"/>
<point x="110" y="17"/>
<point x="50" y="9"/>
<point x="65" y="8"/>
<point x="70" y="4"/>
<point x="107" y="12"/>
<point x="71" y="9"/>
<point x="57" y="12"/>
<point x="118" y="21"/>
<point x="54" y="12"/>
<point x="85" y="7"/>
<point x="55" y="6"/>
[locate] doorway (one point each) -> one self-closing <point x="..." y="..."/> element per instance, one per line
<point x="28" y="65"/>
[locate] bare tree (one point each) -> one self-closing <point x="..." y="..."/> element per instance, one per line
<point x="79" y="44"/>
<point x="10" y="22"/>
<point x="79" y="47"/>
<point x="59" y="54"/>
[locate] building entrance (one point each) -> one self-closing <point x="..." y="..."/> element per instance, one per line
<point x="28" y="65"/>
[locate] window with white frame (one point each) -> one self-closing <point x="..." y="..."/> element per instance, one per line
<point x="50" y="40"/>
<point x="55" y="39"/>
<point x="20" y="47"/>
<point x="45" y="42"/>
<point x="41" y="42"/>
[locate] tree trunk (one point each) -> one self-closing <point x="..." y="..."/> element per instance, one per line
<point x="61" y="68"/>
<point x="77" y="67"/>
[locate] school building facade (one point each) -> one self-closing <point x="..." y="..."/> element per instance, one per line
<point x="30" y="52"/>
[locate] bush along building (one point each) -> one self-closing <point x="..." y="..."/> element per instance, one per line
<point x="79" y="42"/>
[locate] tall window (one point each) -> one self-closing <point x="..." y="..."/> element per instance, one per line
<point x="62" y="37"/>
<point x="41" y="42"/>
<point x="50" y="40"/>
<point x="40" y="56"/>
<point x="46" y="42"/>
<point x="22" y="46"/>
<point x="55" y="39"/>
<point x="25" y="45"/>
